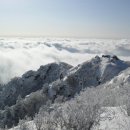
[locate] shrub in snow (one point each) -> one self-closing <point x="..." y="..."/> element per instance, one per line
<point x="80" y="113"/>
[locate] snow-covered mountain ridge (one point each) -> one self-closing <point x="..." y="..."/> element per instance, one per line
<point x="56" y="82"/>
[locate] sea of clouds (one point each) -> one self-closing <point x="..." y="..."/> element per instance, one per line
<point x="18" y="55"/>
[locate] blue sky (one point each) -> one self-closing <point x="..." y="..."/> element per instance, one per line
<point x="71" y="18"/>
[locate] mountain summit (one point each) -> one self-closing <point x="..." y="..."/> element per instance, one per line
<point x="54" y="82"/>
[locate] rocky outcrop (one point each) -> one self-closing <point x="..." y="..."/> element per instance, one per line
<point x="30" y="82"/>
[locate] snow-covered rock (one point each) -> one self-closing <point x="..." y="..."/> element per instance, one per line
<point x="91" y="73"/>
<point x="30" y="82"/>
<point x="102" y="68"/>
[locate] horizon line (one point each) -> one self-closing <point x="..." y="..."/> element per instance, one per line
<point x="49" y="36"/>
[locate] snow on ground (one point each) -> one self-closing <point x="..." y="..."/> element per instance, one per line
<point x="114" y="118"/>
<point x="18" y="55"/>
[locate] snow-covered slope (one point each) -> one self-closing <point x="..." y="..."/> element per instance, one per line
<point x="120" y="81"/>
<point x="118" y="117"/>
<point x="56" y="82"/>
<point x="114" y="118"/>
<point x="63" y="79"/>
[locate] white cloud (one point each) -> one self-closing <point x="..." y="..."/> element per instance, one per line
<point x="18" y="55"/>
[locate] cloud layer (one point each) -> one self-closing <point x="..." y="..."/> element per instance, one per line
<point x="18" y="55"/>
